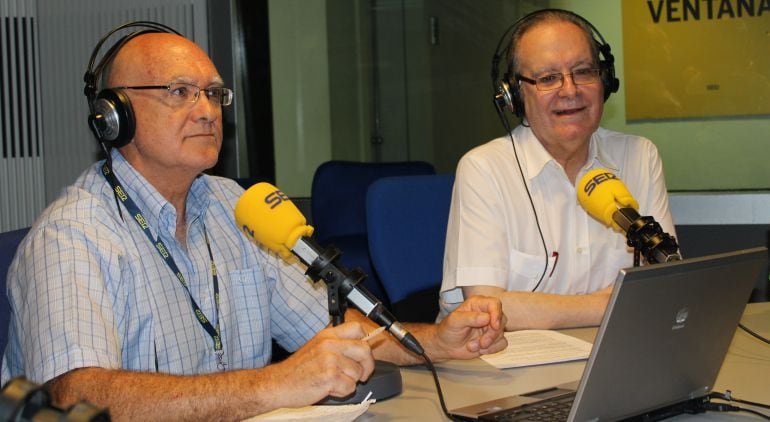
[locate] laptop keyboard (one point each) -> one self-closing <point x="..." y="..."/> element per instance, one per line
<point x="553" y="409"/>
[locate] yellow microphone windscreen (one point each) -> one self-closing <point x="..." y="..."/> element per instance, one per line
<point x="267" y="215"/>
<point x="601" y="193"/>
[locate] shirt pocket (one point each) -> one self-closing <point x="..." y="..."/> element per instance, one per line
<point x="527" y="270"/>
<point x="249" y="312"/>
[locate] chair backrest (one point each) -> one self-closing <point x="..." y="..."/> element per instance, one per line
<point x="407" y="220"/>
<point x="338" y="193"/>
<point x="9" y="242"/>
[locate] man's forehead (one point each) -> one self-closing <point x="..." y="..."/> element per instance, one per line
<point x="166" y="56"/>
<point x="538" y="47"/>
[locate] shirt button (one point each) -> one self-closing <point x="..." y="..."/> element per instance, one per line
<point x="580" y="250"/>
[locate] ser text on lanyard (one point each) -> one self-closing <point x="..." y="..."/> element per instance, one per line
<point x="164" y="253"/>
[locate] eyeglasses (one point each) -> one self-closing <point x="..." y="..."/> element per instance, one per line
<point x="556" y="80"/>
<point x="180" y="93"/>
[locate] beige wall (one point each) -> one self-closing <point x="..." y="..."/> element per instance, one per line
<point x="300" y="83"/>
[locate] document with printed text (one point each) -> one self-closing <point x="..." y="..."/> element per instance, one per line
<point x="538" y="347"/>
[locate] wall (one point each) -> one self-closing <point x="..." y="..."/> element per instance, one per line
<point x="350" y="73"/>
<point x="463" y="114"/>
<point x="300" y="75"/>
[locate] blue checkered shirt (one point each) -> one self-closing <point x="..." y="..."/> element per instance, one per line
<point x="89" y="289"/>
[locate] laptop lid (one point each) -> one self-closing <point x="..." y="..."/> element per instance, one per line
<point x="665" y="333"/>
<point x="662" y="340"/>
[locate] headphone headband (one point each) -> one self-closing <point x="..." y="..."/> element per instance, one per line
<point x="506" y="95"/>
<point x="93" y="73"/>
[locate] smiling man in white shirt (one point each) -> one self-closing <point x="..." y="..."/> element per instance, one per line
<point x="516" y="230"/>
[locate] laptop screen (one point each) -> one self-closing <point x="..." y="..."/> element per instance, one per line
<point x="665" y="333"/>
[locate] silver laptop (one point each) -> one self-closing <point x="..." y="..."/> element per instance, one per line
<point x="661" y="343"/>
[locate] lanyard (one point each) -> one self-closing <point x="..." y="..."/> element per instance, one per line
<point x="164" y="253"/>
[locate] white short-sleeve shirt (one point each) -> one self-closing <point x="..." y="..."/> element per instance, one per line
<point x="492" y="234"/>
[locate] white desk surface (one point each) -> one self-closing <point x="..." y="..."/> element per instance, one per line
<point x="745" y="371"/>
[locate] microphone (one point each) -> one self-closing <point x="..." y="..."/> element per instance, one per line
<point x="608" y="200"/>
<point x="267" y="216"/>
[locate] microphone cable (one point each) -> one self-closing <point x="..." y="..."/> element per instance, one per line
<point x="753" y="333"/>
<point x="726" y="407"/>
<point x="429" y="365"/>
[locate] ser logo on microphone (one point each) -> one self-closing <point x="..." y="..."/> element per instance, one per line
<point x="275" y="198"/>
<point x="596" y="181"/>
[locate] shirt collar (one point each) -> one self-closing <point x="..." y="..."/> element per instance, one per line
<point x="155" y="208"/>
<point x="598" y="156"/>
<point x="537" y="157"/>
<point x="533" y="156"/>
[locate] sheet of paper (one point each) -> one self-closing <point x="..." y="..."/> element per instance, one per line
<point x="330" y="413"/>
<point x="538" y="347"/>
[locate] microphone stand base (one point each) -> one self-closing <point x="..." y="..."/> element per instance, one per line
<point x="384" y="383"/>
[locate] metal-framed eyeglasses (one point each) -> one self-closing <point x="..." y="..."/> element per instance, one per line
<point x="556" y="80"/>
<point x="180" y="93"/>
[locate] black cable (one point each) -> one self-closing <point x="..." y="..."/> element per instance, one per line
<point x="754" y="412"/>
<point x="432" y="369"/>
<point x="727" y="396"/>
<point x="507" y="126"/>
<point x="722" y="407"/>
<point x="759" y="337"/>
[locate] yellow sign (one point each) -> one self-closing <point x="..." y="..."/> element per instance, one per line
<point x="696" y="58"/>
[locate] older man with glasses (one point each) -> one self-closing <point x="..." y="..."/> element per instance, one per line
<point x="515" y="228"/>
<point x="135" y="290"/>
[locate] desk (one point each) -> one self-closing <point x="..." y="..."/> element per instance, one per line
<point x="745" y="371"/>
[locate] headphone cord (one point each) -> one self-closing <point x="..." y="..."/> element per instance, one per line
<point x="507" y="126"/>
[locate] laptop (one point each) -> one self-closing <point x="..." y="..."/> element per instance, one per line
<point x="659" y="347"/>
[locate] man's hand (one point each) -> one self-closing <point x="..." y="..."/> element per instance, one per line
<point x="475" y="328"/>
<point x="330" y="364"/>
<point x="547" y="311"/>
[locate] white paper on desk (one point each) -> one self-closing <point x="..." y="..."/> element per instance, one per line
<point x="321" y="413"/>
<point x="538" y="347"/>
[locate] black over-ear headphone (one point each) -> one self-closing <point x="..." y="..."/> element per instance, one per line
<point x="111" y="117"/>
<point x="506" y="92"/>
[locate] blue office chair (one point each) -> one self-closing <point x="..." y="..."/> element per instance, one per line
<point x="338" y="207"/>
<point x="9" y="241"/>
<point x="406" y="220"/>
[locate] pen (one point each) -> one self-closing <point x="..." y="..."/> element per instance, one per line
<point x="373" y="333"/>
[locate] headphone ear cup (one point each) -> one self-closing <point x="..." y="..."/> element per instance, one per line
<point x="503" y="97"/>
<point x="510" y="99"/>
<point x="112" y="120"/>
<point x="609" y="81"/>
<point x="517" y="104"/>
